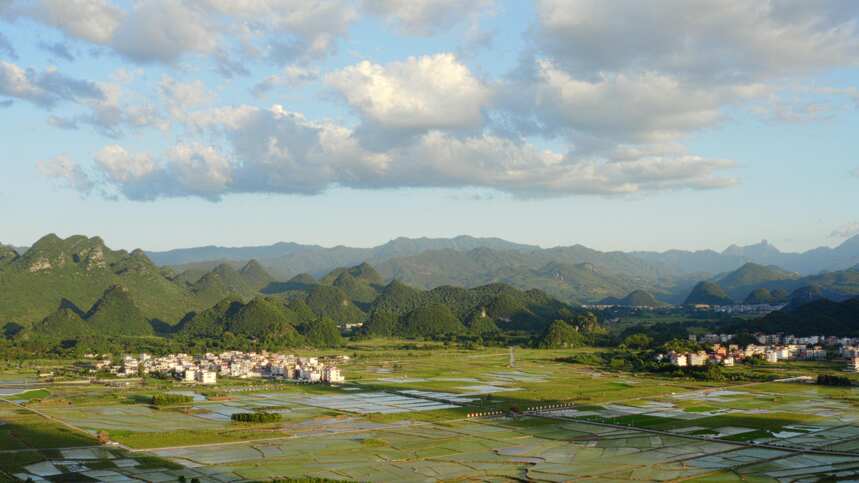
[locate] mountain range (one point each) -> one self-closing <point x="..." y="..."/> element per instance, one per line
<point x="65" y="289"/>
<point x="80" y="269"/>
<point x="575" y="274"/>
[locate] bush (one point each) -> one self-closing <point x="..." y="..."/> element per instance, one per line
<point x="170" y="399"/>
<point x="260" y="417"/>
<point x="833" y="380"/>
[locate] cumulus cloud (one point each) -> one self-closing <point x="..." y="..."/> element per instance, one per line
<point x="710" y="41"/>
<point x="425" y="17"/>
<point x="91" y="20"/>
<point x="429" y="92"/>
<point x="110" y="114"/>
<point x="46" y="88"/>
<point x="276" y="151"/>
<point x="63" y="168"/>
<point x="845" y="231"/>
<point x="165" y="31"/>
<point x="642" y="107"/>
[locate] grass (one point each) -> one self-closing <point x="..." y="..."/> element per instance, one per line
<point x="167" y="439"/>
<point x="24" y="429"/>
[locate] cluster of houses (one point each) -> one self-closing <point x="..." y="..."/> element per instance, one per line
<point x="205" y="369"/>
<point x="770" y="347"/>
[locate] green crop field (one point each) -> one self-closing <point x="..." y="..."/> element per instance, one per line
<point x="614" y="426"/>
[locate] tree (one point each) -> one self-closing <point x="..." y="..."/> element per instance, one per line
<point x="323" y="332"/>
<point x="560" y="335"/>
<point x="638" y="341"/>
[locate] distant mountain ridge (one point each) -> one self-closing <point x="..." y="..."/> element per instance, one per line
<point x="287" y="259"/>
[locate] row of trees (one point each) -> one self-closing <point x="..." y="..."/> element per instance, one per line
<point x="258" y="417"/>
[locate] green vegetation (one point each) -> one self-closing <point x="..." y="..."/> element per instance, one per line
<point x="256" y="417"/>
<point x="166" y="399"/>
<point x="833" y="380"/>
<point x="767" y="296"/>
<point x="708" y="293"/>
<point x="560" y="335"/>
<point x="636" y="298"/>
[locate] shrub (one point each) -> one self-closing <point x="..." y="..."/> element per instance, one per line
<point x="170" y="399"/>
<point x="260" y="417"/>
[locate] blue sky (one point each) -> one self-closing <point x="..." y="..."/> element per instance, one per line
<point x="617" y="125"/>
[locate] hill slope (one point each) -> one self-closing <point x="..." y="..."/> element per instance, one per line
<point x="81" y="269"/>
<point x="708" y="293"/>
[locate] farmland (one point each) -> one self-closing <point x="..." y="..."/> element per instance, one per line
<point x="404" y="416"/>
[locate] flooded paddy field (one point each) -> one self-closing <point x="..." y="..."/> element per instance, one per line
<point x="405" y="417"/>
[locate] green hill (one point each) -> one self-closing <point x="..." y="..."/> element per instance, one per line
<point x="636" y="298"/>
<point x="803" y="296"/>
<point x="708" y="293"/>
<point x="430" y="320"/>
<point x="81" y="269"/>
<point x="260" y="319"/>
<point x="322" y="332"/>
<point x="255" y="275"/>
<point x="116" y="314"/>
<point x="767" y="296"/>
<point x="560" y="335"/>
<point x="740" y="282"/>
<point x="65" y="322"/>
<point x="356" y="289"/>
<point x="363" y="272"/>
<point x="820" y="316"/>
<point x="331" y="302"/>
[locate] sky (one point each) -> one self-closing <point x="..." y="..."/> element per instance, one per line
<point x="621" y="125"/>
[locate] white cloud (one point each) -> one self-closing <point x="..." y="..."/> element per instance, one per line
<point x="425" y="17"/>
<point x="167" y="30"/>
<point x="429" y="92"/>
<point x="45" y="88"/>
<point x="110" y="114"/>
<point x="63" y="168"/>
<point x="277" y="151"/>
<point x="644" y="107"/>
<point x="120" y="166"/>
<point x="709" y="40"/>
<point x="91" y="20"/>
<point x="179" y="97"/>
<point x="163" y="31"/>
<point x="291" y="75"/>
<point x="845" y="231"/>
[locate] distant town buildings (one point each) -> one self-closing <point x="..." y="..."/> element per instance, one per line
<point x="206" y="369"/>
<point x="772" y="348"/>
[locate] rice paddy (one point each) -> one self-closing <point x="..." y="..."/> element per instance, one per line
<point x="404" y="417"/>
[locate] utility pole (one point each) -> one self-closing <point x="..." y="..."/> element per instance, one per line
<point x="512" y="358"/>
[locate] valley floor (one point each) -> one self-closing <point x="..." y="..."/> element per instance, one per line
<point x="407" y="415"/>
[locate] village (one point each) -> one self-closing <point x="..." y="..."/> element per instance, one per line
<point x="771" y="348"/>
<point x="205" y="369"/>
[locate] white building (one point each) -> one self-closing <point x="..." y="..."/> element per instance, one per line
<point x="678" y="360"/>
<point x="190" y="375"/>
<point x="207" y="377"/>
<point x="332" y="375"/>
<point x="697" y="359"/>
<point x="852" y="364"/>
